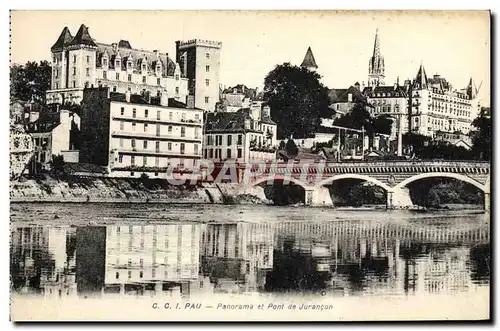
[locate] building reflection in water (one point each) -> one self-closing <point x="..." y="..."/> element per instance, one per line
<point x="339" y="258"/>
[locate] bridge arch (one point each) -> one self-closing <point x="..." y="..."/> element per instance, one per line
<point x="273" y="178"/>
<point x="460" y="177"/>
<point x="354" y="176"/>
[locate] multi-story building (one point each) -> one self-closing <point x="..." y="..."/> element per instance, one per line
<point x="241" y="136"/>
<point x="80" y="61"/>
<point x="237" y="97"/>
<point x="132" y="134"/>
<point x="438" y="107"/>
<point x="55" y="133"/>
<point x="200" y="62"/>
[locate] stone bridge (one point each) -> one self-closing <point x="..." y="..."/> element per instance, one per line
<point x="393" y="177"/>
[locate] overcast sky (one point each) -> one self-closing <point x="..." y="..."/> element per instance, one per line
<point x="454" y="44"/>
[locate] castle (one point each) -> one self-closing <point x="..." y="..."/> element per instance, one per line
<point x="80" y="62"/>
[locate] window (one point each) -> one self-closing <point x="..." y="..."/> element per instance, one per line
<point x="240" y="139"/>
<point x="169" y="129"/>
<point x="183" y="116"/>
<point x="129" y="77"/>
<point x="207" y="68"/>
<point x="132" y="160"/>
<point x="239" y="153"/>
<point x="117" y="76"/>
<point x="74" y="58"/>
<point x="133" y="143"/>
<point x="144" y="79"/>
<point x="170" y="116"/>
<point x="210" y="140"/>
<point x="206" y="99"/>
<point x="157" y="162"/>
<point x="117" y="64"/>
<point x="229" y="140"/>
<point x="122" y="111"/>
<point x="133" y="126"/>
<point x="207" y="55"/>
<point x="228" y="153"/>
<point x="211" y="154"/>
<point x="183" y="131"/>
<point x="157" y="147"/>
<point x="56" y="73"/>
<point x="74" y="83"/>
<point x="145" y="161"/>
<point x="157" y="114"/>
<point x="169" y="146"/>
<point x="207" y="82"/>
<point x="122" y="124"/>
<point x="120" y="158"/>
<point x="129" y="64"/>
<point x="146" y="113"/>
<point x="74" y="71"/>
<point x="145" y="144"/>
<point x="88" y="59"/>
<point x="57" y="86"/>
<point x="157" y="130"/>
<point x="134" y="113"/>
<point x="105" y="74"/>
<point x="121" y="142"/>
<point x="114" y="88"/>
<point x="145" y="127"/>
<point x="177" y="90"/>
<point x="196" y="149"/>
<point x="157" y="81"/>
<point x="177" y="77"/>
<point x="87" y="71"/>
<point x="183" y="148"/>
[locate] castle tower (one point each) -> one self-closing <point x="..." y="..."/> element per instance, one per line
<point x="59" y="61"/>
<point x="81" y="60"/>
<point x="421" y="78"/>
<point x="376" y="67"/>
<point x="309" y="62"/>
<point x="200" y="60"/>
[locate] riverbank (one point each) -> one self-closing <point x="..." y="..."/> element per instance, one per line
<point x="71" y="189"/>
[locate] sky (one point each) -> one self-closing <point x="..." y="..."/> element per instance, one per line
<point x="454" y="44"/>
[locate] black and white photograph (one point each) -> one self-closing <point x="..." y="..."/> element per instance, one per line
<point x="245" y="165"/>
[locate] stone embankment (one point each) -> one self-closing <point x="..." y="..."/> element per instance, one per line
<point x="129" y="190"/>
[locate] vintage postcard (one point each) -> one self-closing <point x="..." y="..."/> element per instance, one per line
<point x="250" y="165"/>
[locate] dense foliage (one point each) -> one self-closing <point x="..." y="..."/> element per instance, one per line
<point x="297" y="99"/>
<point x="30" y="81"/>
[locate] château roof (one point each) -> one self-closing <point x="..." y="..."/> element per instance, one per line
<point x="64" y="39"/>
<point x="421" y="79"/>
<point x="83" y="37"/>
<point x="309" y="61"/>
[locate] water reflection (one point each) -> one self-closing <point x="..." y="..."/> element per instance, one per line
<point x="336" y="258"/>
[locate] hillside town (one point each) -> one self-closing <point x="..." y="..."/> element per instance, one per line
<point x="118" y="111"/>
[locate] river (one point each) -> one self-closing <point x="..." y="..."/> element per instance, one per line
<point x="88" y="251"/>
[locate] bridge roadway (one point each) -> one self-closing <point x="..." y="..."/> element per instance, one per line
<point x="392" y="176"/>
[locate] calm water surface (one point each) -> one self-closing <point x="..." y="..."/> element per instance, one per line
<point x="75" y="250"/>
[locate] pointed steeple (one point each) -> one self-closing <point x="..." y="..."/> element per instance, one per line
<point x="376" y="66"/>
<point x="64" y="39"/>
<point x="309" y="61"/>
<point x="83" y="37"/>
<point x="421" y="78"/>
<point x="471" y="92"/>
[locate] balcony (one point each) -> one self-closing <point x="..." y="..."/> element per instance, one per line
<point x="154" y="136"/>
<point x="149" y="152"/>
<point x="189" y="122"/>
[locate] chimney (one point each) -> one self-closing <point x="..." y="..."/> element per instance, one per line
<point x="164" y="98"/>
<point x="190" y="101"/>
<point x="155" y="52"/>
<point x="395" y="86"/>
<point x="115" y="46"/>
<point x="127" y="96"/>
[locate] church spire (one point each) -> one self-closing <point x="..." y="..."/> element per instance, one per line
<point x="421" y="78"/>
<point x="376" y="67"/>
<point x="309" y="62"/>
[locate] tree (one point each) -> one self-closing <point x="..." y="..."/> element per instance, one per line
<point x="360" y="118"/>
<point x="57" y="164"/>
<point x="30" y="81"/>
<point x="297" y="100"/>
<point x="291" y="148"/>
<point x="481" y="137"/>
